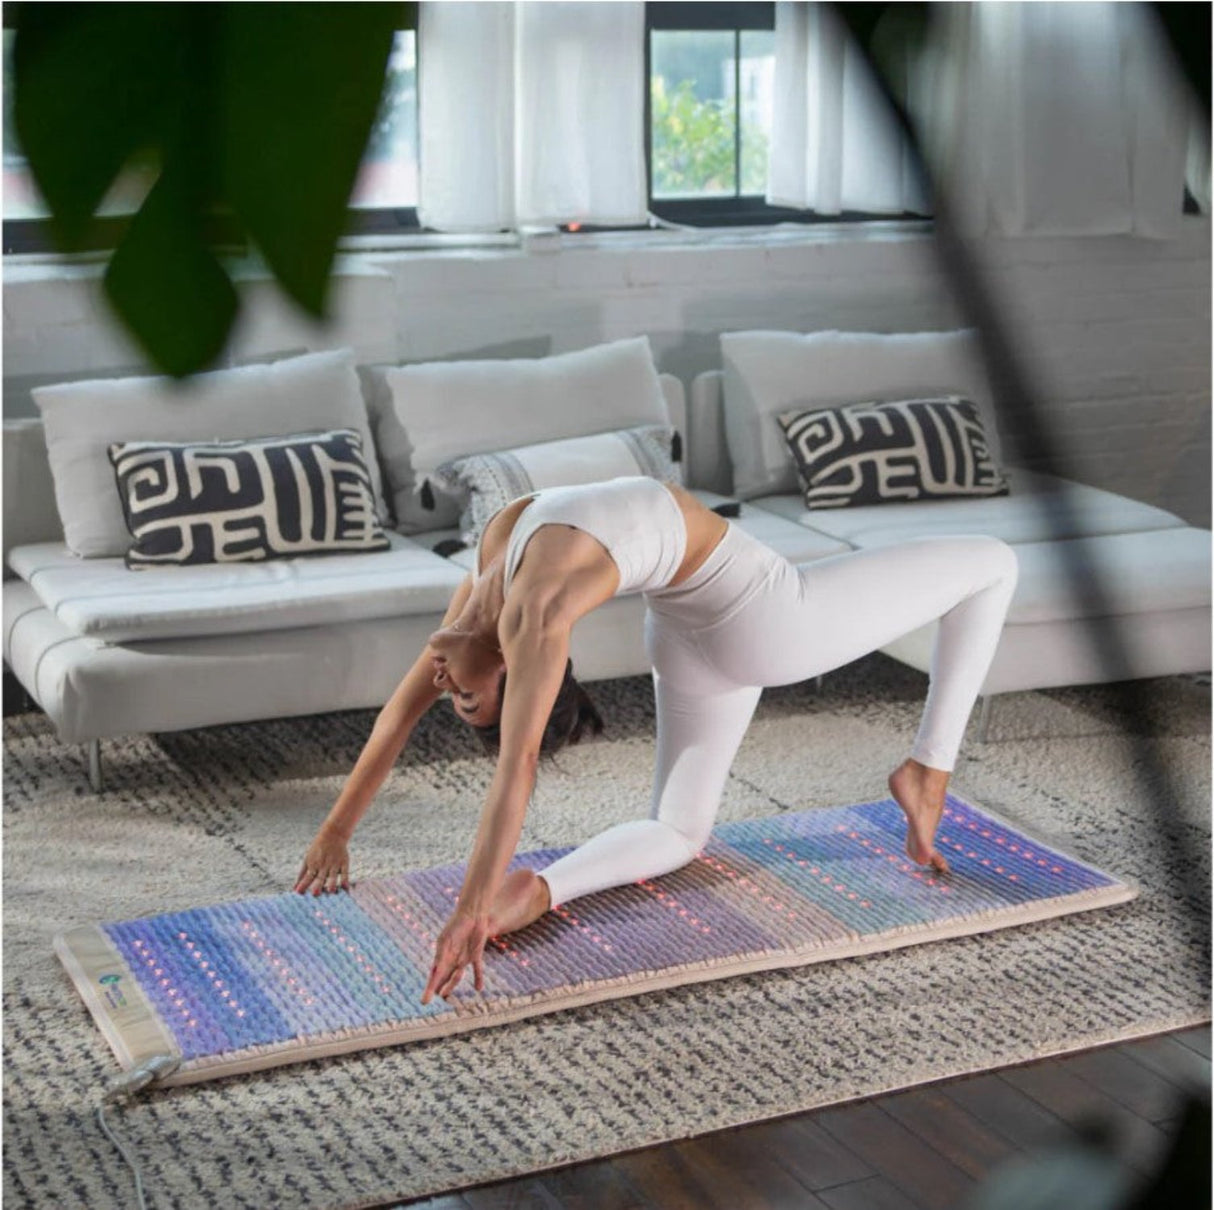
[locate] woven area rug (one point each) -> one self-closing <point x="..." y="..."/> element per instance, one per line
<point x="226" y="813"/>
<point x="277" y="979"/>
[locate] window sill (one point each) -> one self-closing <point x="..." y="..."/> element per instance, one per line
<point x="553" y="239"/>
<point x="768" y="235"/>
<point x="365" y="253"/>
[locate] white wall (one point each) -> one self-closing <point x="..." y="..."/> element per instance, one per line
<point x="1114" y="332"/>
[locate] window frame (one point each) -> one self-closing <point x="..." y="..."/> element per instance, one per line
<point x="742" y="209"/>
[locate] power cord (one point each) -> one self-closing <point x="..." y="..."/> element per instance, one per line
<point x="664" y="224"/>
<point x="126" y="1088"/>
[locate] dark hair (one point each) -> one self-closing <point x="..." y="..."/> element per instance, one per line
<point x="571" y="714"/>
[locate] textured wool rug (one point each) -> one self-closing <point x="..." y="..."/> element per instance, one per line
<point x="227" y="812"/>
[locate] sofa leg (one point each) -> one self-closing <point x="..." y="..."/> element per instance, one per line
<point x="95" y="778"/>
<point x="984" y="717"/>
<point x="817" y="684"/>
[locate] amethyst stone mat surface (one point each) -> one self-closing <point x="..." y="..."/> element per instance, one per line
<point x="272" y="980"/>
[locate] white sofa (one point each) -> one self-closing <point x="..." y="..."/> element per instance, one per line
<point x="1154" y="573"/>
<point x="107" y="652"/>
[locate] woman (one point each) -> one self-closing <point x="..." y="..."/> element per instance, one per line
<point x="726" y="616"/>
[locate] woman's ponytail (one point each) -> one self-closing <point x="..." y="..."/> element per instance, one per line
<point x="572" y="714"/>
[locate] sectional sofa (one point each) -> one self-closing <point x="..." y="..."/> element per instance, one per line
<point x="108" y="651"/>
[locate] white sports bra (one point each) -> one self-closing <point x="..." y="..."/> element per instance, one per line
<point x="635" y="518"/>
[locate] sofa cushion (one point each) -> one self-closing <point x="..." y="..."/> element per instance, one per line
<point x="1069" y="651"/>
<point x="431" y="413"/>
<point x="1156" y="584"/>
<point x="246" y="501"/>
<point x="887" y="453"/>
<point x="29" y="513"/>
<point x="82" y="419"/>
<point x="766" y="373"/>
<point x="1146" y="572"/>
<point x="91" y="689"/>
<point x="1039" y="508"/>
<point x="101" y="598"/>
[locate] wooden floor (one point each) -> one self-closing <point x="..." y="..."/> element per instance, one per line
<point x="924" y="1149"/>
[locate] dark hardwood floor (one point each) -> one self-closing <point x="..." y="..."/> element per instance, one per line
<point x="923" y="1149"/>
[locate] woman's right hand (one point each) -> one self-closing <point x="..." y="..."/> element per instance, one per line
<point x="326" y="865"/>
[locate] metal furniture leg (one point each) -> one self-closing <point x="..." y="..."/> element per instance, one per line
<point x="984" y="717"/>
<point x="95" y="778"/>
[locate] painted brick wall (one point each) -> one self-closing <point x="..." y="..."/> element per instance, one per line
<point x="1114" y="332"/>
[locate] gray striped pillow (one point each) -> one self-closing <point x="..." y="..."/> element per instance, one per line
<point x="488" y="482"/>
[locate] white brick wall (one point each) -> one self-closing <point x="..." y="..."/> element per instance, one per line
<point x="1113" y="332"/>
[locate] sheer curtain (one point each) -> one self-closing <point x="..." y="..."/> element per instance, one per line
<point x="1039" y="119"/>
<point x="531" y="113"/>
<point x="835" y="146"/>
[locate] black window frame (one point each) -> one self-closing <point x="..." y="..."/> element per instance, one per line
<point x="742" y="209"/>
<point x="31" y="236"/>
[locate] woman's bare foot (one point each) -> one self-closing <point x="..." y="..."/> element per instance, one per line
<point x="919" y="791"/>
<point x="522" y="899"/>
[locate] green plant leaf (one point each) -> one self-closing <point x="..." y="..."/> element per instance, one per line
<point x="258" y="113"/>
<point x="301" y="85"/>
<point x="91" y="83"/>
<point x="166" y="284"/>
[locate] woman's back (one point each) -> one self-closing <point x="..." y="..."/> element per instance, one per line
<point x="654" y="535"/>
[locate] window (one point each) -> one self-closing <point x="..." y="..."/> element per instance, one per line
<point x="711" y="70"/>
<point x="385" y="193"/>
<point x="709" y="112"/>
<point x="384" y="197"/>
<point x="21" y="199"/>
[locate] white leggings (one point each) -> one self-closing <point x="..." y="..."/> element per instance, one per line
<point x="747" y="619"/>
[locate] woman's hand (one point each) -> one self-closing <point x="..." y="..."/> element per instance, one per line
<point x="326" y="865"/>
<point x="461" y="942"/>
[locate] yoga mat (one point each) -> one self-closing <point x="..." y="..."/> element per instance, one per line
<point x="279" y="979"/>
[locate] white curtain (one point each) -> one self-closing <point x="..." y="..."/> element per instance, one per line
<point x="835" y="145"/>
<point x="531" y="113"/>
<point x="1197" y="162"/>
<point x="1071" y="121"/>
<point x="1039" y="119"/>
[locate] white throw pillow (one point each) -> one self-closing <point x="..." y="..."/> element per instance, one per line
<point x="432" y="413"/>
<point x="490" y="481"/>
<point x="766" y="373"/>
<point x="82" y="419"/>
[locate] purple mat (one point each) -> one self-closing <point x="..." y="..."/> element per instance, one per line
<point x="261" y="982"/>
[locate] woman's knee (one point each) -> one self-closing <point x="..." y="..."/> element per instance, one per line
<point x="693" y="835"/>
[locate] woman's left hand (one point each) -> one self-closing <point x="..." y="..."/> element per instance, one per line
<point x="462" y="942"/>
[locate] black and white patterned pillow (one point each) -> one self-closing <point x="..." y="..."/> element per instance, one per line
<point x="877" y="453"/>
<point x="488" y="482"/>
<point x="245" y="501"/>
